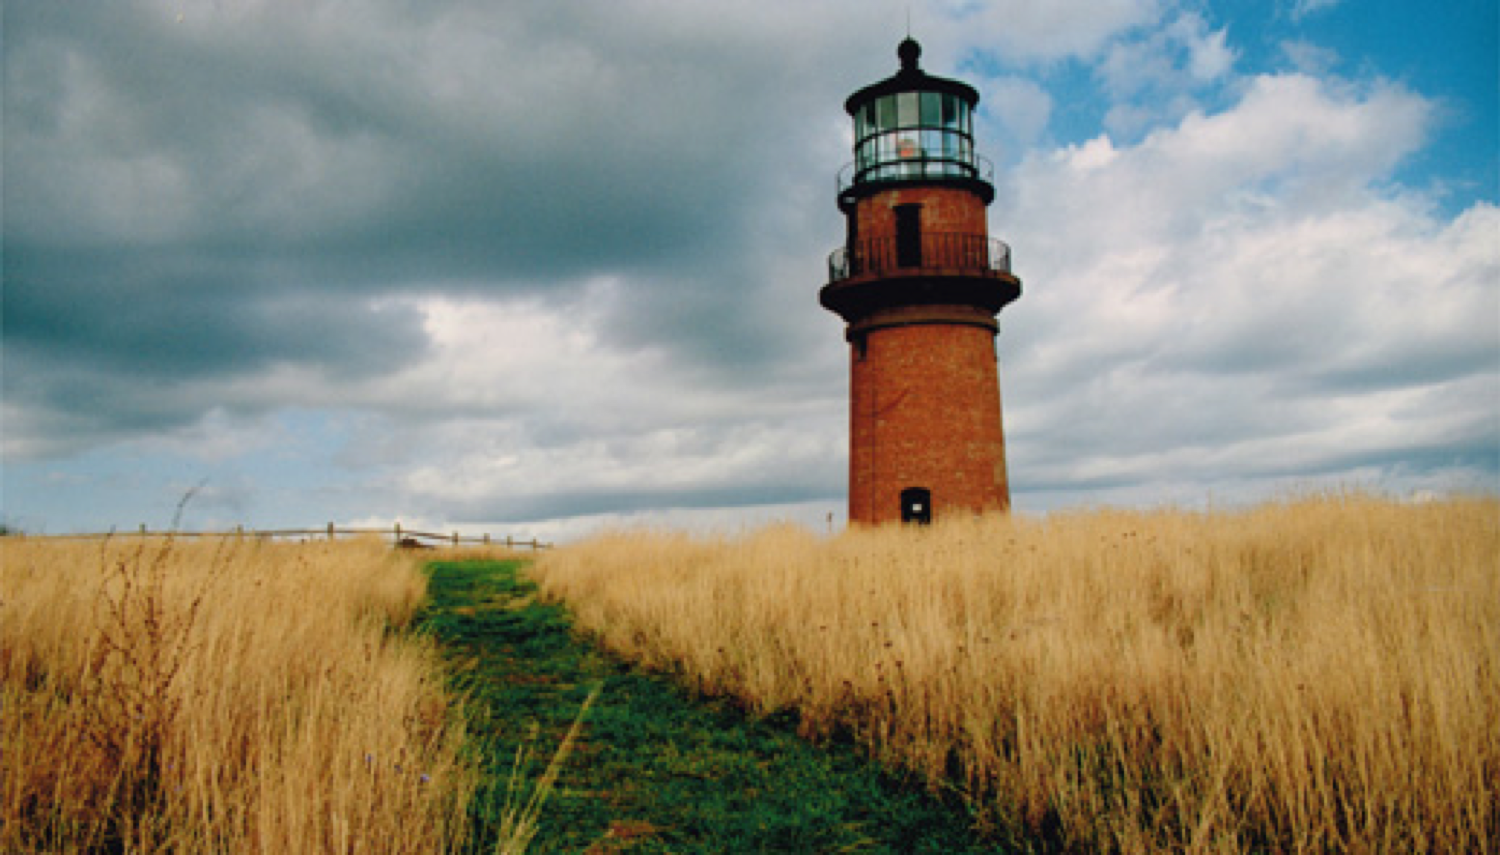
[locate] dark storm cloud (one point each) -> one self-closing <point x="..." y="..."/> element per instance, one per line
<point x="249" y="146"/>
<point x="103" y="346"/>
<point x="171" y="182"/>
<point x="151" y="319"/>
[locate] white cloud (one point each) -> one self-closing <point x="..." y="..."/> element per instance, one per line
<point x="1019" y="117"/>
<point x="1019" y="30"/>
<point x="1158" y="74"/>
<point x="1291" y="142"/>
<point x="522" y="409"/>
<point x="1302" y="8"/>
<point x="1240" y="293"/>
<point x="1209" y="56"/>
<point x="1309" y="57"/>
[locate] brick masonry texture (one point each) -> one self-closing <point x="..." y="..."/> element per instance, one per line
<point x="943" y="210"/>
<point x="925" y="412"/>
<point x="924" y="408"/>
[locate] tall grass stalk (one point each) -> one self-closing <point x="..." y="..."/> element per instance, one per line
<point x="1314" y="675"/>
<point x="523" y="810"/>
<point x="164" y="696"/>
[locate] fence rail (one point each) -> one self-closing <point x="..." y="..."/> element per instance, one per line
<point x="399" y="536"/>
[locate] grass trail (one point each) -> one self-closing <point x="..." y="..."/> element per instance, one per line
<point x="655" y="769"/>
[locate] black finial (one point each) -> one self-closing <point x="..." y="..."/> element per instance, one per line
<point x="909" y="52"/>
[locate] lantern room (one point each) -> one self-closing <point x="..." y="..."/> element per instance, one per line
<point x="913" y="127"/>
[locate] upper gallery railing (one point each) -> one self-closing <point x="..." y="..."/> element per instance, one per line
<point x="937" y="250"/>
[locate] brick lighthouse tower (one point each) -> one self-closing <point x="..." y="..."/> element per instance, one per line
<point x="919" y="282"/>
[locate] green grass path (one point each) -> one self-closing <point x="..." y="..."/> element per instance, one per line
<point x="655" y="769"/>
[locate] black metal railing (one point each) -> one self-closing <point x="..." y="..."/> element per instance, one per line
<point x="938" y="250"/>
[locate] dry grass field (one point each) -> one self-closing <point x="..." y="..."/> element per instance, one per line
<point x="1308" y="676"/>
<point x="222" y="696"/>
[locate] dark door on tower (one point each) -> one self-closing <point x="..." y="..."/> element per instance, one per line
<point x="908" y="235"/>
<point x="916" y="505"/>
<point x="852" y="248"/>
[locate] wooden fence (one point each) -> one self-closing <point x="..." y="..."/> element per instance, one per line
<point x="398" y="536"/>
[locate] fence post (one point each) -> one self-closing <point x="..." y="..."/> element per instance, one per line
<point x="397" y="531"/>
<point x="486" y="538"/>
<point x="143" y="529"/>
<point x="508" y="542"/>
<point x="330" y="531"/>
<point x="455" y="539"/>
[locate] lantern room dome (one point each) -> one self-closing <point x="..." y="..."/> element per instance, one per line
<point x="909" y="52"/>
<point x="912" y="77"/>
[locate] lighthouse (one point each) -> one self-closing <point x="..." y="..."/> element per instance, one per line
<point x="920" y="283"/>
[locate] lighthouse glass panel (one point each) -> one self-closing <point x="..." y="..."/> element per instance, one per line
<point x="932" y="110"/>
<point x="914" y="135"/>
<point x="906" y="110"/>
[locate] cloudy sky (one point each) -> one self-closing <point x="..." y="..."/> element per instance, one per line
<point x="537" y="266"/>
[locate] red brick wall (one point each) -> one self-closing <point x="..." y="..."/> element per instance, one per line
<point x="925" y="412"/>
<point x="943" y="210"/>
<point x="925" y="390"/>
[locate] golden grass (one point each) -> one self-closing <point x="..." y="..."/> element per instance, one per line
<point x="222" y="696"/>
<point x="1315" y="675"/>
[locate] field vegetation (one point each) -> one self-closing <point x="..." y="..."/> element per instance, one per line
<point x="1306" y="676"/>
<point x="624" y="761"/>
<point x="223" y="696"/>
